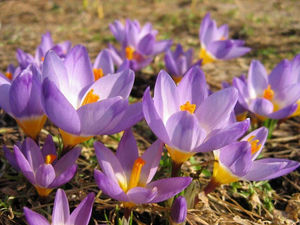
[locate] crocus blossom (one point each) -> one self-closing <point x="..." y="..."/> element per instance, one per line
<point x="178" y="62"/>
<point x="269" y="96"/>
<point x="138" y="44"/>
<point x="82" y="107"/>
<point x="61" y="212"/>
<point x="215" y="44"/>
<point x="127" y="177"/>
<point x="186" y="119"/>
<point x="41" y="167"/>
<point x="237" y="161"/>
<point x="21" y="99"/>
<point x="179" y="210"/>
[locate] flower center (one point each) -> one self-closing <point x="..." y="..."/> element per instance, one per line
<point x="9" y="75"/>
<point x="136" y="172"/>
<point x="42" y="58"/>
<point x="188" y="107"/>
<point x="254" y="144"/>
<point x="129" y="51"/>
<point x="98" y="73"/>
<point x="49" y="159"/>
<point x="268" y="93"/>
<point x="90" y="98"/>
<point x="206" y="56"/>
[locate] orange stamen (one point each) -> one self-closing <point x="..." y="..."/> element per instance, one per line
<point x="254" y="144"/>
<point x="136" y="172"/>
<point x="9" y="75"/>
<point x="268" y="93"/>
<point x="98" y="73"/>
<point x="50" y="158"/>
<point x="188" y="107"/>
<point x="43" y="58"/>
<point x="129" y="51"/>
<point x="90" y="98"/>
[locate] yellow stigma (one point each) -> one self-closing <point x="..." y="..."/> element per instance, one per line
<point x="136" y="172"/>
<point x="9" y="75"/>
<point x="268" y="93"/>
<point x="188" y="107"/>
<point x="50" y="158"/>
<point x="254" y="144"/>
<point x="98" y="73"/>
<point x="206" y="56"/>
<point x="90" y="98"/>
<point x="129" y="51"/>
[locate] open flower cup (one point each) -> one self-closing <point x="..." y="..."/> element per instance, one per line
<point x="189" y="121"/>
<point x="41" y="166"/>
<point x="237" y="161"/>
<point x="139" y="44"/>
<point x="271" y="96"/>
<point x="82" y="107"/>
<point x="215" y="44"/>
<point x="61" y="212"/>
<point x="127" y="177"/>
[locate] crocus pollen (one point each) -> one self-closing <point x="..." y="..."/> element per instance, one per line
<point x="49" y="159"/>
<point x="9" y="75"/>
<point x="136" y="172"/>
<point x="206" y="56"/>
<point x="268" y="93"/>
<point x="129" y="51"/>
<point x="98" y="73"/>
<point x="188" y="107"/>
<point x="90" y="98"/>
<point x="254" y="144"/>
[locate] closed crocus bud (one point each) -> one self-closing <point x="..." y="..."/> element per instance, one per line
<point x="179" y="210"/>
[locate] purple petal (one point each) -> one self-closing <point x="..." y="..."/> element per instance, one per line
<point x="193" y="87"/>
<point x="141" y="195"/>
<point x="261" y="106"/>
<point x="227" y="49"/>
<point x="283" y="113"/>
<point x="184" y="131"/>
<point x="280" y="77"/>
<point x="104" y="62"/>
<point x="132" y="33"/>
<point x="171" y="64"/>
<point x="223" y="100"/>
<point x="257" y="79"/>
<point x="146" y="44"/>
<point x="288" y="95"/>
<point x="34" y="218"/>
<point x="269" y="168"/>
<point x="67" y="161"/>
<point x="179" y="210"/>
<point x="61" y="212"/>
<point x="109" y="186"/>
<point x="219" y="138"/>
<point x="10" y="156"/>
<point x="49" y="147"/>
<point x="118" y="30"/>
<point x="64" y="177"/>
<point x="242" y="88"/>
<point x="115" y="54"/>
<point x="153" y="119"/>
<point x="4" y="93"/>
<point x="168" y="187"/>
<point x="161" y="46"/>
<point x="82" y="214"/>
<point x="33" y="153"/>
<point x="24" y="165"/>
<point x="45" y="175"/>
<point x="152" y="158"/>
<point x="205" y="23"/>
<point x="58" y="108"/>
<point x="127" y="152"/>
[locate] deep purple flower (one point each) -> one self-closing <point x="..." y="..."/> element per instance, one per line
<point x="61" y="212"/>
<point x="139" y="44"/>
<point x="21" y="99"/>
<point x="179" y="210"/>
<point x="215" y="44"/>
<point x="269" y="96"/>
<point x="41" y="167"/>
<point x="186" y="119"/>
<point x="127" y="177"/>
<point x="179" y="62"/>
<point x="82" y="107"/>
<point x="237" y="161"/>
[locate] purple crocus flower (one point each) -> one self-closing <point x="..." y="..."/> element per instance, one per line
<point x="139" y="44"/>
<point x="215" y="44"/>
<point x="178" y="62"/>
<point x="127" y="177"/>
<point x="21" y="99"/>
<point x="186" y="119"/>
<point x="10" y="72"/>
<point x="237" y="161"/>
<point x="82" y="107"/>
<point x="61" y="212"/>
<point x="269" y="96"/>
<point x="41" y="167"/>
<point x="179" y="210"/>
